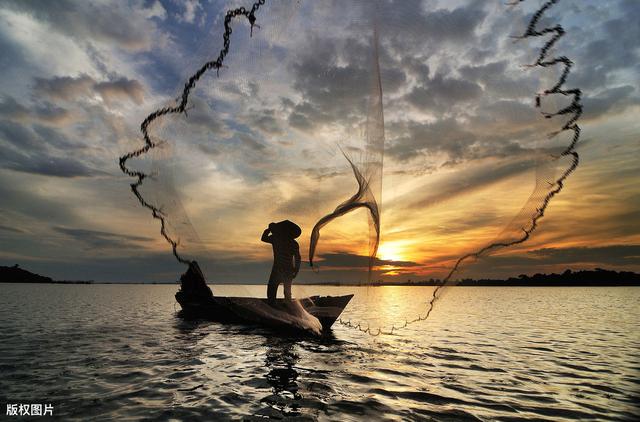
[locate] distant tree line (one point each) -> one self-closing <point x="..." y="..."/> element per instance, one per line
<point x="15" y="274"/>
<point x="596" y="277"/>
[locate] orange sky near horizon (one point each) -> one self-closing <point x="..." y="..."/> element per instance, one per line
<point x="261" y="139"/>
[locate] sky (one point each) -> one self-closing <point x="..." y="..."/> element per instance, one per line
<point x="261" y="140"/>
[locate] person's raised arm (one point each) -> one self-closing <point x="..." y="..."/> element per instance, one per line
<point x="266" y="236"/>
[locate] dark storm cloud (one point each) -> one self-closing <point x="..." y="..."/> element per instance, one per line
<point x="101" y="239"/>
<point x="345" y="259"/>
<point x="105" y="22"/>
<point x="70" y="88"/>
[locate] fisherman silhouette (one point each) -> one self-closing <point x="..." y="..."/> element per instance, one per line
<point x="286" y="257"/>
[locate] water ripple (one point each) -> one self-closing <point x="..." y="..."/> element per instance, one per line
<point x="119" y="352"/>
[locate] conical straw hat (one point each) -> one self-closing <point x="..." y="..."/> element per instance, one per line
<point x="288" y="228"/>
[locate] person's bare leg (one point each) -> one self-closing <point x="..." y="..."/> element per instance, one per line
<point x="287" y="289"/>
<point x="272" y="292"/>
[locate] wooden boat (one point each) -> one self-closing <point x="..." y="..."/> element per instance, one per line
<point x="197" y="301"/>
<point x="252" y="310"/>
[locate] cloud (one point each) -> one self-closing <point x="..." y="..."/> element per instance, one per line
<point x="121" y="88"/>
<point x="11" y="109"/>
<point x="44" y="112"/>
<point x="100" y="239"/>
<point x="157" y="11"/>
<point x="437" y="26"/>
<point x="266" y="121"/>
<point x="45" y="165"/>
<point x="554" y="259"/>
<point x="34" y="205"/>
<point x="19" y="136"/>
<point x="64" y="87"/>
<point x="39" y="150"/>
<point x="606" y="255"/>
<point x="251" y="143"/>
<point x="70" y="88"/>
<point x="336" y="90"/>
<point x="191" y="8"/>
<point x="498" y="79"/>
<point x="440" y="93"/>
<point x="333" y="81"/>
<point x="345" y="259"/>
<point x="442" y="136"/>
<point x="108" y="23"/>
<point x="151" y="267"/>
<point x="458" y="118"/>
<point x="201" y="114"/>
<point x="617" y="98"/>
<point x="463" y="182"/>
<point x="11" y="229"/>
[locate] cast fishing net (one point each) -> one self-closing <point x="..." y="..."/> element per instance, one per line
<point x="375" y="126"/>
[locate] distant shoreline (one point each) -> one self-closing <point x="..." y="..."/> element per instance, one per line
<point x="212" y="285"/>
<point x="585" y="278"/>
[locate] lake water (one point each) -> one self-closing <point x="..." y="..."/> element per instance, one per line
<point x="119" y="352"/>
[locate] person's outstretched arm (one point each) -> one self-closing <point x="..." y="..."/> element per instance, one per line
<point x="266" y="236"/>
<point x="297" y="258"/>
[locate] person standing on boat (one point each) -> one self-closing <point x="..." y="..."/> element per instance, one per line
<point x="286" y="257"/>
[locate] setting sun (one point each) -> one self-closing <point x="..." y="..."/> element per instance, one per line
<point x="390" y="251"/>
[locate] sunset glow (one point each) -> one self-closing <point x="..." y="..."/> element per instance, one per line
<point x="389" y="251"/>
<point x="260" y="144"/>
